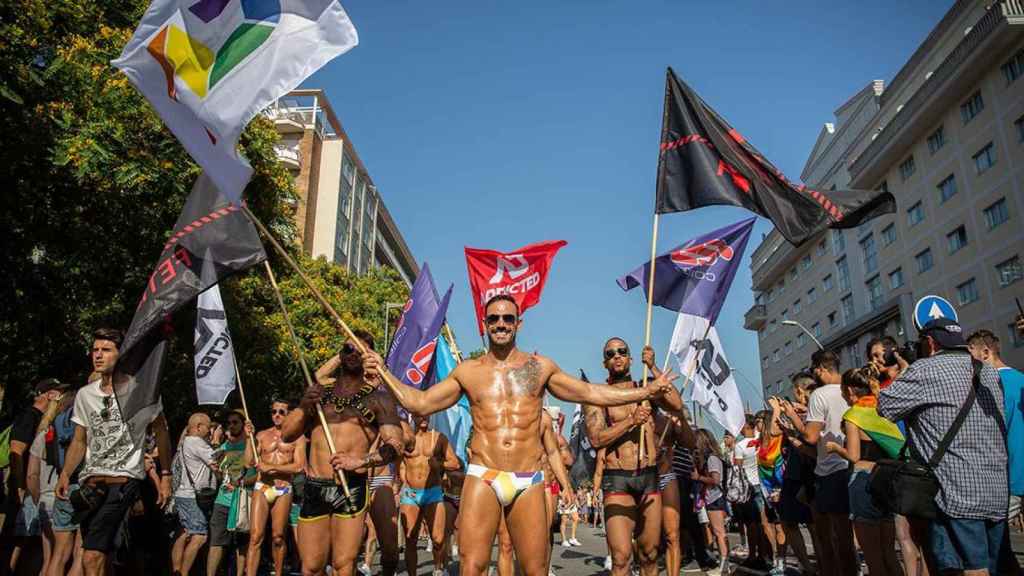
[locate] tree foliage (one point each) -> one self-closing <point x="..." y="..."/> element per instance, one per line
<point x="93" y="182"/>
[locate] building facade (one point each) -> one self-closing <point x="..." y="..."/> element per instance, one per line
<point x="339" y="214"/>
<point x="946" y="137"/>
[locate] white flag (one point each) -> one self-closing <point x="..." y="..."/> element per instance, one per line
<point x="713" y="386"/>
<point x="209" y="66"/>
<point x="215" y="355"/>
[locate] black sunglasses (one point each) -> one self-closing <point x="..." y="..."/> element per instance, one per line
<point x="612" y="352"/>
<point x="277" y="411"/>
<point x="348" y="348"/>
<point x="105" y="412"/>
<point x="506" y="318"/>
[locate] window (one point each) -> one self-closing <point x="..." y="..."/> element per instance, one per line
<point x="847" y="305"/>
<point x="967" y="292"/>
<point x="771" y="295"/>
<point x="816" y="328"/>
<point x="796" y="307"/>
<point x="820" y="251"/>
<point x="997" y="213"/>
<point x="838" y="242"/>
<point x="985" y="158"/>
<point x="874" y="287"/>
<point x="896" y="278"/>
<point x="784" y="314"/>
<point x="924" y="261"/>
<point x="789" y="347"/>
<point x="936" y="140"/>
<point x="1009" y="271"/>
<point x="805" y="262"/>
<point x="972" y="107"/>
<point x="772" y="326"/>
<point x="863" y="229"/>
<point x="1015" y="337"/>
<point x="870" y="252"/>
<point x="812" y="296"/>
<point x="883" y="187"/>
<point x="888" y="234"/>
<point x="843" y="271"/>
<point x="801" y="339"/>
<point x="907" y="168"/>
<point x="781" y="286"/>
<point x="1019" y="125"/>
<point x="761" y="333"/>
<point x="947" y="188"/>
<point x="827" y="282"/>
<point x="1013" y="68"/>
<point x="915" y="214"/>
<point x="793" y="273"/>
<point x="957" y="239"/>
<point x="775" y="355"/>
<point x="832" y="320"/>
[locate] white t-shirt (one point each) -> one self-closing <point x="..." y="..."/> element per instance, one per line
<point x="195" y="453"/>
<point x="746" y="450"/>
<point x="827" y="407"/>
<point x="47" y="474"/>
<point x="113" y="448"/>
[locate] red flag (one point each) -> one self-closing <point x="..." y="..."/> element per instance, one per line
<point x="520" y="273"/>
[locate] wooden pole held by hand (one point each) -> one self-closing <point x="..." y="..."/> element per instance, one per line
<point x="647" y="327"/>
<point x="245" y="407"/>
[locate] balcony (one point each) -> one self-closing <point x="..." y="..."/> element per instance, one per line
<point x="755" y="318"/>
<point x="288" y="154"/>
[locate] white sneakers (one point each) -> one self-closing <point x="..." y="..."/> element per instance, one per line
<point x="566" y="544"/>
<point x="575" y="542"/>
<point x="723" y="569"/>
<point x="607" y="562"/>
<point x="364" y="569"/>
<point x="430" y="547"/>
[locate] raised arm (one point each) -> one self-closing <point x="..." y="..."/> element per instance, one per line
<point x="325" y="373"/>
<point x="442" y="395"/>
<point x="565" y="387"/>
<point x="671" y="401"/>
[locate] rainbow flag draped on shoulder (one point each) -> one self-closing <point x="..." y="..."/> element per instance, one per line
<point x="864" y="415"/>
<point x="770" y="463"/>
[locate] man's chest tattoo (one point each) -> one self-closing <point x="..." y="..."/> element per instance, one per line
<point x="525" y="379"/>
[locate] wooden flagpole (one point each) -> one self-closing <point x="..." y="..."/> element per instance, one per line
<point x="305" y="371"/>
<point x="454" y="346"/>
<point x="647" y="325"/>
<point x="245" y="407"/>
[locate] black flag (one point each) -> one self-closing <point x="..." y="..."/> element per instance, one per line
<point x="211" y="240"/>
<point x="704" y="161"/>
<point x="583" y="454"/>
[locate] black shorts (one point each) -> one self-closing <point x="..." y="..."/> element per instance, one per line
<point x="832" y="493"/>
<point x="791" y="509"/>
<point x="323" y="497"/>
<point x="102" y="527"/>
<point x="635" y="483"/>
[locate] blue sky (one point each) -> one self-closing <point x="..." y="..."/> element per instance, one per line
<point x="498" y="124"/>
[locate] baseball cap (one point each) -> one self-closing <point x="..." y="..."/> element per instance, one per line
<point x="47" y="384"/>
<point x="947" y="333"/>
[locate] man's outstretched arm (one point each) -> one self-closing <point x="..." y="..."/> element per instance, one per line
<point x="442" y="395"/>
<point x="567" y="388"/>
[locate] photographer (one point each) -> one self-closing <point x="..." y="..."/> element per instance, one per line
<point x="972" y="473"/>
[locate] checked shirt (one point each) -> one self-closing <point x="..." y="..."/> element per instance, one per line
<point x="928" y="396"/>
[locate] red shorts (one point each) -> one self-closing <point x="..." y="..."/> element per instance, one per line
<point x="554" y="488"/>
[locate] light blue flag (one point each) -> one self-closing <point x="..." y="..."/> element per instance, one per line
<point x="455" y="422"/>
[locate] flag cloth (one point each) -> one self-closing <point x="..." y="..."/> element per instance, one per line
<point x="520" y="273"/>
<point x="695" y="277"/>
<point x="454" y="422"/>
<point x="884" y="433"/>
<point x="714" y="386"/>
<point x="704" y="161"/>
<point x="211" y="240"/>
<point x="584" y="455"/>
<point x="412" y="350"/>
<point x="770" y="463"/>
<point x="214" y="351"/>
<point x="209" y="66"/>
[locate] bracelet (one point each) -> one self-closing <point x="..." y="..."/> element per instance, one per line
<point x="166" y="473"/>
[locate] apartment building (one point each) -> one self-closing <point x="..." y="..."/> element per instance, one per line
<point x="946" y="137"/>
<point x="339" y="215"/>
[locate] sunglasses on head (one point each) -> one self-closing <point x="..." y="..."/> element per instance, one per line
<point x="613" y="352"/>
<point x="506" y="318"/>
<point x="277" y="411"/>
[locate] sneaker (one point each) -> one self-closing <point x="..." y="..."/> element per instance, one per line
<point x="566" y="544"/>
<point x="741" y="551"/>
<point x="364" y="569"/>
<point x="607" y="562"/>
<point x="430" y="547"/>
<point x="575" y="542"/>
<point x="438" y="572"/>
<point x="551" y="572"/>
<point x="455" y="551"/>
<point x="635" y="570"/>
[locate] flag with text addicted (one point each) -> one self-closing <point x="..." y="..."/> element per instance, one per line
<point x="520" y="273"/>
<point x="214" y="352"/>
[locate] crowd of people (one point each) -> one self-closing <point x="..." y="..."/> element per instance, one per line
<point x="351" y="475"/>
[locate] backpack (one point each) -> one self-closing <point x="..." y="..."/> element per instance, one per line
<point x="737" y="487"/>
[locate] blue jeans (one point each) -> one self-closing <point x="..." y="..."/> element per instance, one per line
<point x="190" y="516"/>
<point x="63" y="514"/>
<point x="966" y="543"/>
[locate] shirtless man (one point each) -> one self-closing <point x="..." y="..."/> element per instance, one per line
<point x="671" y="430"/>
<point x="422" y="497"/>
<point x="631" y="497"/>
<point x="331" y="523"/>
<point x="272" y="495"/>
<point x="505" y="388"/>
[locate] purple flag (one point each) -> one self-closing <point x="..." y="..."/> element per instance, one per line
<point x="412" y="350"/>
<point x="695" y="277"/>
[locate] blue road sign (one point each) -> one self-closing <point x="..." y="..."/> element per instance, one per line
<point x="931" y="307"/>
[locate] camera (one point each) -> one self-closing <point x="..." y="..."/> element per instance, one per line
<point x="908" y="351"/>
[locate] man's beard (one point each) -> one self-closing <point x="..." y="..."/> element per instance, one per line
<point x="619" y="376"/>
<point x="356" y="370"/>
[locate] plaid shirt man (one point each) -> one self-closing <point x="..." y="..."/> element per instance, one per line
<point x="928" y="396"/>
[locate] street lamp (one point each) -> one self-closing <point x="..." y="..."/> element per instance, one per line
<point x="806" y="331"/>
<point x="388" y="307"/>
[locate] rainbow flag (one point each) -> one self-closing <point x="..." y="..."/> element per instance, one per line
<point x="864" y="415"/>
<point x="770" y="463"/>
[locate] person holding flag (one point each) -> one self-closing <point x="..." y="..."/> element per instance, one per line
<point x="505" y="388"/>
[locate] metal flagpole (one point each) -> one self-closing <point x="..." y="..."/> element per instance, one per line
<point x="305" y="372"/>
<point x="647" y="325"/>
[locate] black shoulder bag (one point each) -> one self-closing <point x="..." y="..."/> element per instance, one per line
<point x="205" y="497"/>
<point x="907" y="487"/>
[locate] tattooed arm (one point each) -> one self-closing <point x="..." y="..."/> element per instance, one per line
<point x="601" y="434"/>
<point x="565" y="387"/>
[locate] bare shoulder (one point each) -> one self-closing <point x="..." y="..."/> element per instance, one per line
<point x="547" y="365"/>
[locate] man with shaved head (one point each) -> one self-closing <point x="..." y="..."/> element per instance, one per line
<point x="197" y="463"/>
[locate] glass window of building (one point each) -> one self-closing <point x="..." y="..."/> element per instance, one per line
<point x="874" y="289"/>
<point x="1016" y="339"/>
<point x="967" y="292"/>
<point x="997" y="213"/>
<point x="907" y="168"/>
<point x="915" y="214"/>
<point x="985" y="158"/>
<point x="896" y="279"/>
<point x="972" y="107"/>
<point x="805" y="262"/>
<point x="832" y="320"/>
<point x="847" y="305"/>
<point x="827" y="283"/>
<point x="870" y="253"/>
<point x="1019" y="125"/>
<point x="796" y="307"/>
<point x="820" y="250"/>
<point x="838" y="242"/>
<point x="924" y="260"/>
<point x="957" y="239"/>
<point x="936" y="140"/>
<point x="888" y="234"/>
<point x="789" y="347"/>
<point x="1013" y="68"/>
<point x="793" y="273"/>
<point x="775" y="355"/>
<point x="816" y="329"/>
<point x="772" y="326"/>
<point x="947" y="188"/>
<point x="801" y="339"/>
<point x="843" y="273"/>
<point x="1009" y="271"/>
<point x="812" y="295"/>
